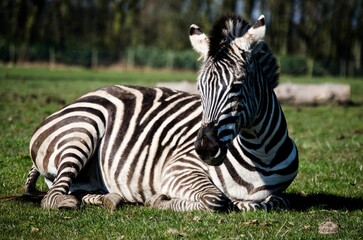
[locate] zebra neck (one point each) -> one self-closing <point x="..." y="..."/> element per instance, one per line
<point x="269" y="134"/>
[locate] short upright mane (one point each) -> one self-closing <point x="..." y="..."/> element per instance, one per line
<point x="268" y="62"/>
<point x="228" y="28"/>
<point x="225" y="30"/>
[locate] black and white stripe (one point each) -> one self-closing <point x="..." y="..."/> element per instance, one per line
<point x="135" y="144"/>
<point x="243" y="131"/>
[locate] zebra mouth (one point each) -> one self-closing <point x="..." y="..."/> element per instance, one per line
<point x="208" y="146"/>
<point x="217" y="160"/>
<point x="213" y="160"/>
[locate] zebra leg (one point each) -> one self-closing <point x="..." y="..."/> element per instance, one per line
<point x="190" y="191"/>
<point x="31" y="180"/>
<point x="31" y="193"/>
<point x="208" y="201"/>
<point x="57" y="196"/>
<point x="110" y="200"/>
<point x="272" y="202"/>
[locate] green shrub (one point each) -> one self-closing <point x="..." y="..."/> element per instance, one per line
<point x="4" y="52"/>
<point x="159" y="58"/>
<point x="38" y="53"/>
<point x="186" y="59"/>
<point x="293" y="65"/>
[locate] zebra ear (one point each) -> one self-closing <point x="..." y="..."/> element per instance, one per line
<point x="255" y="33"/>
<point x="199" y="41"/>
<point x="258" y="30"/>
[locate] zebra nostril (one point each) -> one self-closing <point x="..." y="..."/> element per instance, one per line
<point x="206" y="148"/>
<point x="199" y="149"/>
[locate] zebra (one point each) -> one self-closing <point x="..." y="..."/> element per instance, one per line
<point x="225" y="149"/>
<point x="243" y="129"/>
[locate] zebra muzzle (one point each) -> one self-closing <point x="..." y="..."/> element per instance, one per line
<point x="208" y="147"/>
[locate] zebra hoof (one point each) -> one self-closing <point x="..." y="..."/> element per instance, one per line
<point x="277" y="202"/>
<point x="112" y="200"/>
<point x="156" y="200"/>
<point x="69" y="202"/>
<point x="60" y="202"/>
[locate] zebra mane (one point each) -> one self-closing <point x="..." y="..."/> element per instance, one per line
<point x="267" y="61"/>
<point x="226" y="29"/>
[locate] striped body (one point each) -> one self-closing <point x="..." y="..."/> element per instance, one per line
<point x="124" y="132"/>
<point x="137" y="140"/>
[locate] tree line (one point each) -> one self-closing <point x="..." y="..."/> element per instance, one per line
<point x="309" y="36"/>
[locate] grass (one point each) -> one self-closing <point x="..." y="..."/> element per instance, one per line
<point x="329" y="186"/>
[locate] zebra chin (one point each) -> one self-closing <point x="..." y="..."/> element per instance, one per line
<point x="211" y="159"/>
<point x="218" y="159"/>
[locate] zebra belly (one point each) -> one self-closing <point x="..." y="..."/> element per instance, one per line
<point x="89" y="179"/>
<point x="133" y="184"/>
<point x="134" y="170"/>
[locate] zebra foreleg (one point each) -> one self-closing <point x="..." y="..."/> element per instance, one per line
<point x="213" y="202"/>
<point x="272" y="202"/>
<point x="190" y="191"/>
<point x="162" y="201"/>
<point x="110" y="200"/>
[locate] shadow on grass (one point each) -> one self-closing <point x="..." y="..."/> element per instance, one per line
<point x="303" y="202"/>
<point x="34" y="197"/>
<point x="298" y="202"/>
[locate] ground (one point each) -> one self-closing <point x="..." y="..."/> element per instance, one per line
<point x="326" y="196"/>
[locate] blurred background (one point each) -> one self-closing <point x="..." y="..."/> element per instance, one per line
<point x="310" y="37"/>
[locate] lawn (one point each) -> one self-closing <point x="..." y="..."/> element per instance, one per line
<point x="329" y="187"/>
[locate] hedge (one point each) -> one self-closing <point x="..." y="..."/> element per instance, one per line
<point x="90" y="56"/>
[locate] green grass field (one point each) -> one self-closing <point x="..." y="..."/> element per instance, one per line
<point x="329" y="186"/>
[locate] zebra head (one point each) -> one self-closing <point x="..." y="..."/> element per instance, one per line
<point x="227" y="83"/>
